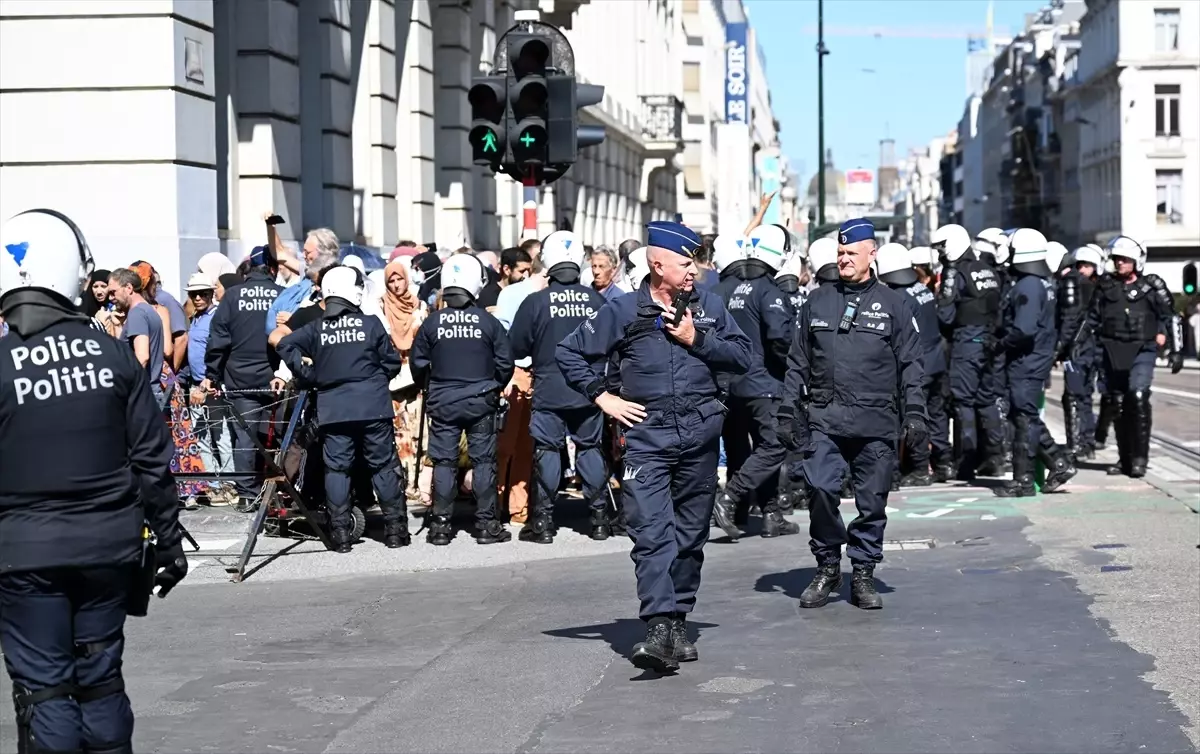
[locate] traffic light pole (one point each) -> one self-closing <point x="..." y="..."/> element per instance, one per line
<point x="529" y="206"/>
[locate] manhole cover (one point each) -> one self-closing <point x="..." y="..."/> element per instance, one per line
<point x="909" y="544"/>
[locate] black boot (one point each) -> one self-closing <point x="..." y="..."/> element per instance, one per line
<point x="395" y="534"/>
<point x="862" y="588"/>
<point x="1123" y="426"/>
<point x="773" y="522"/>
<point x="601" y="529"/>
<point x="942" y="472"/>
<point x="848" y="487"/>
<point x="657" y="652"/>
<point x="916" y="479"/>
<point x="723" y="512"/>
<point x="1143" y="422"/>
<point x="539" y="529"/>
<point x="340" y="539"/>
<point x="1022" y="481"/>
<point x="620" y="525"/>
<point x="1071" y="425"/>
<point x="1060" y="465"/>
<point x="828" y="578"/>
<point x="685" y="650"/>
<point x="439" y="532"/>
<point x="492" y="532"/>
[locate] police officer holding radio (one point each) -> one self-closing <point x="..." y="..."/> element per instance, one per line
<point x="1029" y="344"/>
<point x="969" y="310"/>
<point x="351" y="361"/>
<point x="856" y="346"/>
<point x="1076" y="290"/>
<point x="462" y="353"/>
<point x="670" y="341"/>
<point x="74" y="559"/>
<point x="238" y="358"/>
<point x="544" y="319"/>
<point x="753" y="449"/>
<point x="896" y="271"/>
<point x="1133" y="314"/>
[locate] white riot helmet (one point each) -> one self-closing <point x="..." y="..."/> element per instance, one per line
<point x="990" y="241"/>
<point x="344" y="282"/>
<point x="822" y="253"/>
<point x="951" y="242"/>
<point x="637" y="266"/>
<point x="1127" y="248"/>
<point x="923" y="256"/>
<point x="562" y="247"/>
<point x="728" y="249"/>
<point x="1055" y="254"/>
<point x="770" y="244"/>
<point x="466" y="273"/>
<point x="1029" y="252"/>
<point x="895" y="264"/>
<point x="1090" y="254"/>
<point x="43" y="248"/>
<point x="793" y="265"/>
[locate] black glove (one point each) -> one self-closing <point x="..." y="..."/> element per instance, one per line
<point x="172" y="567"/>
<point x="916" y="429"/>
<point x="1176" y="362"/>
<point x="792" y="428"/>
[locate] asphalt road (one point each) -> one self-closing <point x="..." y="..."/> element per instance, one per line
<point x="1062" y="624"/>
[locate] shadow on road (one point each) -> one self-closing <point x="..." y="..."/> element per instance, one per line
<point x="793" y="582"/>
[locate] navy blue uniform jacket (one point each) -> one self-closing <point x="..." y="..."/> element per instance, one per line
<point x="654" y="368"/>
<point x="85" y="454"/>
<point x="853" y="378"/>
<point x="542" y="321"/>
<point x="353" y="360"/>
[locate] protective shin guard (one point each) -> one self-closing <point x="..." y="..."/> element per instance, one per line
<point x="1022" y="482"/>
<point x="1140" y="432"/>
<point x="1116" y="420"/>
<point x="1109" y="411"/>
<point x="445" y="478"/>
<point x="1071" y="420"/>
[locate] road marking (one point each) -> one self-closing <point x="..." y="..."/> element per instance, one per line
<point x="987" y="517"/>
<point x="890" y="509"/>
<point x="1178" y="393"/>
<point x="1171" y="470"/>
<point x="954" y="505"/>
<point x="932" y="514"/>
<point x="1191" y="444"/>
<point x="217" y="545"/>
<point x="967" y="500"/>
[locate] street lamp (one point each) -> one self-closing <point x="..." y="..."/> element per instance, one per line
<point x="821" y="53"/>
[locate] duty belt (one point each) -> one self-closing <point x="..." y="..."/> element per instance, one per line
<point x="666" y="402"/>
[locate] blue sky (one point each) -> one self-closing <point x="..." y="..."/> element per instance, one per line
<point x="906" y="86"/>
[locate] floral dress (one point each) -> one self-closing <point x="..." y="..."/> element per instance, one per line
<point x="186" y="457"/>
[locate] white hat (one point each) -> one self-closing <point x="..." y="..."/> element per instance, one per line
<point x="199" y="282"/>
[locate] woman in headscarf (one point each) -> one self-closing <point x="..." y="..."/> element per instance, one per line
<point x="95" y="293"/>
<point x="215" y="264"/>
<point x="405" y="312"/>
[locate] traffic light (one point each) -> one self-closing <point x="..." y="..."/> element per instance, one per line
<point x="528" y="97"/>
<point x="567" y="137"/>
<point x="1189" y="278"/>
<point x="487" y="97"/>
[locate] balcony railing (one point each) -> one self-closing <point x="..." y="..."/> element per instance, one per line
<point x="662" y="118"/>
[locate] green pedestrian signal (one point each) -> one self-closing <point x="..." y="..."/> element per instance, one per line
<point x="489" y="142"/>
<point x="528" y="140"/>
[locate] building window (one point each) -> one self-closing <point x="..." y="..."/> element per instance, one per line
<point x="1166" y="110"/>
<point x="1166" y="29"/>
<point x="1169" y="185"/>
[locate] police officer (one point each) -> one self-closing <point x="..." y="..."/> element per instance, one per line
<point x="896" y="271"/>
<point x="464" y="353"/>
<point x="1075" y="293"/>
<point x="753" y="450"/>
<point x="969" y="309"/>
<point x="238" y="358"/>
<point x="669" y="407"/>
<point x="352" y="361"/>
<point x="788" y="279"/>
<point x="1108" y="409"/>
<point x="857" y="345"/>
<point x="992" y="247"/>
<point x="1028" y="341"/>
<point x="71" y="541"/>
<point x="1133" y="315"/>
<point x="925" y="264"/>
<point x="544" y="319"/>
